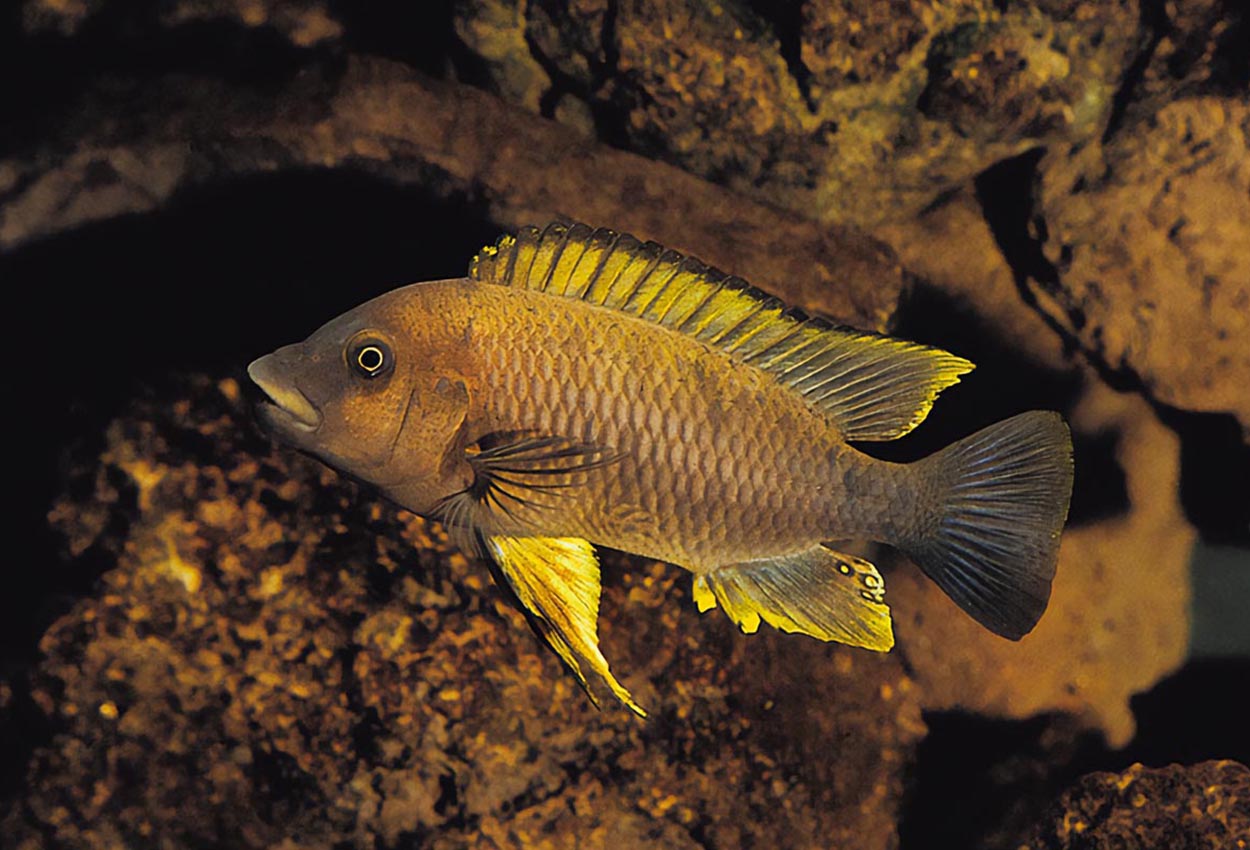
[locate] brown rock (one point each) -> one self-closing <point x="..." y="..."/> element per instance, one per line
<point x="63" y="15"/>
<point x="275" y="658"/>
<point x="304" y="23"/>
<point x="1198" y="53"/>
<point x="455" y="141"/>
<point x="885" y="107"/>
<point x="572" y="35"/>
<point x="495" y="32"/>
<point x="950" y="248"/>
<point x="1107" y="634"/>
<point x="845" y="42"/>
<point x="1203" y="807"/>
<point x="1147" y="235"/>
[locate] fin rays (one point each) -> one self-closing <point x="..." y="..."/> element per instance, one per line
<point x="995" y="542"/>
<point x="517" y="472"/>
<point x="872" y="387"/>
<point x="556" y="579"/>
<point x="521" y="468"/>
<point x="827" y="595"/>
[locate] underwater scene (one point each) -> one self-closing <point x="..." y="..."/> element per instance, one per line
<point x="626" y="424"/>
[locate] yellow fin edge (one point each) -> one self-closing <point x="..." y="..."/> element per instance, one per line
<point x="828" y="595"/>
<point x="557" y="580"/>
<point x="872" y="387"/>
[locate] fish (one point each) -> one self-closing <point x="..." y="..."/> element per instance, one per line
<point x="580" y="388"/>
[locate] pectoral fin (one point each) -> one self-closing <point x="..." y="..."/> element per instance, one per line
<point x="557" y="580"/>
<point x="518" y="476"/>
<point x="825" y="594"/>
<point x="521" y="470"/>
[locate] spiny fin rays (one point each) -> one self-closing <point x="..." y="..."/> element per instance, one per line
<point x="872" y="387"/>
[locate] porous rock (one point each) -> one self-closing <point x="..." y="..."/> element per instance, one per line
<point x="1147" y="236"/>
<point x="277" y="657"/>
<point x="858" y="112"/>
<point x="304" y="23"/>
<point x="1205" y="806"/>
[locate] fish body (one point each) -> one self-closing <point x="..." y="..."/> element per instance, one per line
<point x="712" y="462"/>
<point x="581" y="388"/>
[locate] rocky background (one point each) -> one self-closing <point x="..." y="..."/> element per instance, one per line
<point x="206" y="641"/>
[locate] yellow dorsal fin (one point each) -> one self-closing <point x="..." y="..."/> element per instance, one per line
<point x="872" y="387"/>
<point x="828" y="595"/>
<point x="557" y="580"/>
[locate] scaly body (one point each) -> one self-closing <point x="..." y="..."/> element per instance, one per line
<point x="580" y="388"/>
<point x="716" y="464"/>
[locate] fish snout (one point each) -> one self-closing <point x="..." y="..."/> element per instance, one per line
<point x="286" y="405"/>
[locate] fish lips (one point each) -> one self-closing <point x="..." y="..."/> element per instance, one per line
<point x="287" y="411"/>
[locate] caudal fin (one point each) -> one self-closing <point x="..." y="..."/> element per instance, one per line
<point x="999" y="501"/>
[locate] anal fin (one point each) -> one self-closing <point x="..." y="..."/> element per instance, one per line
<point x="828" y="595"/>
<point x="557" y="580"/>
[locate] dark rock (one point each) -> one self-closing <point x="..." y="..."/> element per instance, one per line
<point x="133" y="148"/>
<point x="1203" y="807"/>
<point x="846" y="110"/>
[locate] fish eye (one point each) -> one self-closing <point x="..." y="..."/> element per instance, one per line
<point x="370" y="358"/>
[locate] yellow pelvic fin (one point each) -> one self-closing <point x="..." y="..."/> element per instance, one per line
<point x="825" y="594"/>
<point x="557" y="580"/>
<point x="872" y="387"/>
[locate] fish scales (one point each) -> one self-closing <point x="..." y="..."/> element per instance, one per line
<point x="579" y="387"/>
<point x="746" y="474"/>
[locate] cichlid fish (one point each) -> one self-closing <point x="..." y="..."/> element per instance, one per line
<point x="579" y="387"/>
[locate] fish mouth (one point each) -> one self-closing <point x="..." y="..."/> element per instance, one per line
<point x="287" y="406"/>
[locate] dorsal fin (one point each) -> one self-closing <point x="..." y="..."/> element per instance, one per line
<point x="873" y="387"/>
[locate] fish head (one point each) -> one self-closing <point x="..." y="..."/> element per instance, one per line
<point x="364" y="395"/>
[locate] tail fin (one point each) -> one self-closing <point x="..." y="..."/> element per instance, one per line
<point x="1000" y="498"/>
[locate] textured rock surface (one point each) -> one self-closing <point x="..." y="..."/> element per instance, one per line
<point x="382" y="118"/>
<point x="861" y="112"/>
<point x="952" y="248"/>
<point x="1148" y="236"/>
<point x="1198" y="51"/>
<point x="277" y="658"/>
<point x="304" y="22"/>
<point x="1203" y="807"/>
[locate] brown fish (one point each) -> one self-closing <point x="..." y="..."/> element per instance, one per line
<point x="580" y="387"/>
